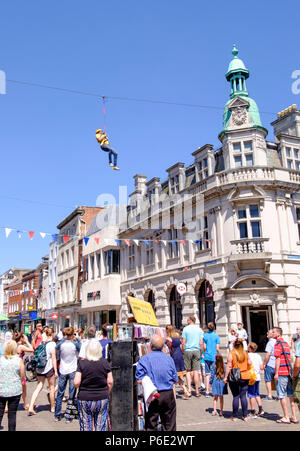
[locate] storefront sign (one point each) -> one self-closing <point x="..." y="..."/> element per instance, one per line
<point x="54" y="316"/>
<point x="27" y="329"/>
<point x="143" y="311"/>
<point x="181" y="288"/>
<point x="28" y="315"/>
<point x="93" y="295"/>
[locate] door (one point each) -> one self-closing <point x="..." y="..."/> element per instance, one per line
<point x="257" y="321"/>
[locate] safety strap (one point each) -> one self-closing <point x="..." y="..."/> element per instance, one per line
<point x="104" y="114"/>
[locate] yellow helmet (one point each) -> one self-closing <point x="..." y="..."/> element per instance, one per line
<point x="99" y="131"/>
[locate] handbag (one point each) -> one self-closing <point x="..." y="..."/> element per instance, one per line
<point x="253" y="377"/>
<point x="234" y="375"/>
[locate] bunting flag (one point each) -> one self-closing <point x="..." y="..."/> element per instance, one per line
<point x="7" y="231"/>
<point x="106" y="241"/>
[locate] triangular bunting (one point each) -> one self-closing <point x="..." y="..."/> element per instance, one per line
<point x="66" y="238"/>
<point x="43" y="234"/>
<point x="117" y="242"/>
<point x="7" y="232"/>
<point x="54" y="237"/>
<point x="136" y="242"/>
<point x="86" y="240"/>
<point x="97" y="240"/>
<point x="127" y="242"/>
<point x="31" y="234"/>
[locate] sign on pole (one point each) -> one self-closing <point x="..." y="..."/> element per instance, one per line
<point x="143" y="311"/>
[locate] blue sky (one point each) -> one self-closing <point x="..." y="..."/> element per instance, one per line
<point x="165" y="50"/>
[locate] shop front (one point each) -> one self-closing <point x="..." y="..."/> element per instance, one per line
<point x="14" y="323"/>
<point x="28" y="320"/>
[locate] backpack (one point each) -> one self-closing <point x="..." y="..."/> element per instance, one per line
<point x="40" y="357"/>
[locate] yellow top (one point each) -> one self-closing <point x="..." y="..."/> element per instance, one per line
<point x="101" y="137"/>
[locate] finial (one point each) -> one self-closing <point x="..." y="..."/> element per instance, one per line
<point x="235" y="50"/>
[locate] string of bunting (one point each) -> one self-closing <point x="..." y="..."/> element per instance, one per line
<point x="128" y="242"/>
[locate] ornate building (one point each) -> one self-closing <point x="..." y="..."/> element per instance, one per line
<point x="243" y="264"/>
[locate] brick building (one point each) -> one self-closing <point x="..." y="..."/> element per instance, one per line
<point x="70" y="268"/>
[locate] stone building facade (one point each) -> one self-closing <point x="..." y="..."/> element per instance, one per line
<point x="242" y="261"/>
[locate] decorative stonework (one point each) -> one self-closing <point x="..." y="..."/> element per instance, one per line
<point x="239" y="116"/>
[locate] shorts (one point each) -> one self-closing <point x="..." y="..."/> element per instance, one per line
<point x="202" y="368"/>
<point x="296" y="388"/>
<point x="284" y="387"/>
<point x="269" y="373"/>
<point x="208" y="365"/>
<point x="49" y="374"/>
<point x="253" y="390"/>
<point x="192" y="360"/>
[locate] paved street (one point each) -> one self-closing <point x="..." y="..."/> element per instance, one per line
<point x="192" y="415"/>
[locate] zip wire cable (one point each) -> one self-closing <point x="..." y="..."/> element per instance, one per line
<point x="128" y="99"/>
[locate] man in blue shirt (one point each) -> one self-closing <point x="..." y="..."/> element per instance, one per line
<point x="192" y="343"/>
<point x="160" y="368"/>
<point x="211" y="345"/>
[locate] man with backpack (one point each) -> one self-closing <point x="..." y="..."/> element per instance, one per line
<point x="67" y="350"/>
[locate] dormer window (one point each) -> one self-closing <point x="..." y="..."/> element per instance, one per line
<point x="243" y="154"/>
<point x="203" y="169"/>
<point x="292" y="158"/>
<point x="174" y="181"/>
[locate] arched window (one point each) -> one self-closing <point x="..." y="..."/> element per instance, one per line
<point x="206" y="304"/>
<point x="149" y="297"/>
<point x="130" y="312"/>
<point x="175" y="308"/>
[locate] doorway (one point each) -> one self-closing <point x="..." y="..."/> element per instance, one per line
<point x="257" y="321"/>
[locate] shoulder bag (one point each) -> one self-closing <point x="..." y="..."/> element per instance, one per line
<point x="287" y="360"/>
<point x="234" y="375"/>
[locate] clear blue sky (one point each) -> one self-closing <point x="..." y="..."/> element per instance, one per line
<point x="166" y="50"/>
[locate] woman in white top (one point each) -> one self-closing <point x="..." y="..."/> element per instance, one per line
<point x="232" y="337"/>
<point x="11" y="373"/>
<point x="49" y="373"/>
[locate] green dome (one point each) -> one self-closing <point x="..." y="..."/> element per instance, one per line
<point x="252" y="110"/>
<point x="236" y="65"/>
<point x="236" y="76"/>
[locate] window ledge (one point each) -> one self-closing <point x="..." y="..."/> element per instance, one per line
<point x="172" y="260"/>
<point x="203" y="251"/>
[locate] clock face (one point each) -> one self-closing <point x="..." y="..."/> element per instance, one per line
<point x="239" y="115"/>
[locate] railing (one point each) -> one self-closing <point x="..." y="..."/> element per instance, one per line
<point x="249" y="246"/>
<point x="248" y="173"/>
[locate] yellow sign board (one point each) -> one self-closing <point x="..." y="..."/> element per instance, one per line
<point x="143" y="311"/>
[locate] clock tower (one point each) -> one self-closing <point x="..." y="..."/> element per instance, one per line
<point x="243" y="136"/>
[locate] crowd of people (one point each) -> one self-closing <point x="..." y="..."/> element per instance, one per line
<point x="62" y="359"/>
<point x="195" y="359"/>
<point x="190" y="358"/>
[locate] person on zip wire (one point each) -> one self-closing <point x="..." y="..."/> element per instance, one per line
<point x="104" y="144"/>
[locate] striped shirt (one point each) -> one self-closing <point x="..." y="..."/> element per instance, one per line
<point x="284" y="368"/>
<point x="160" y="368"/>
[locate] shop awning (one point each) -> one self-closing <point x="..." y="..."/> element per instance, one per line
<point x="3" y="318"/>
